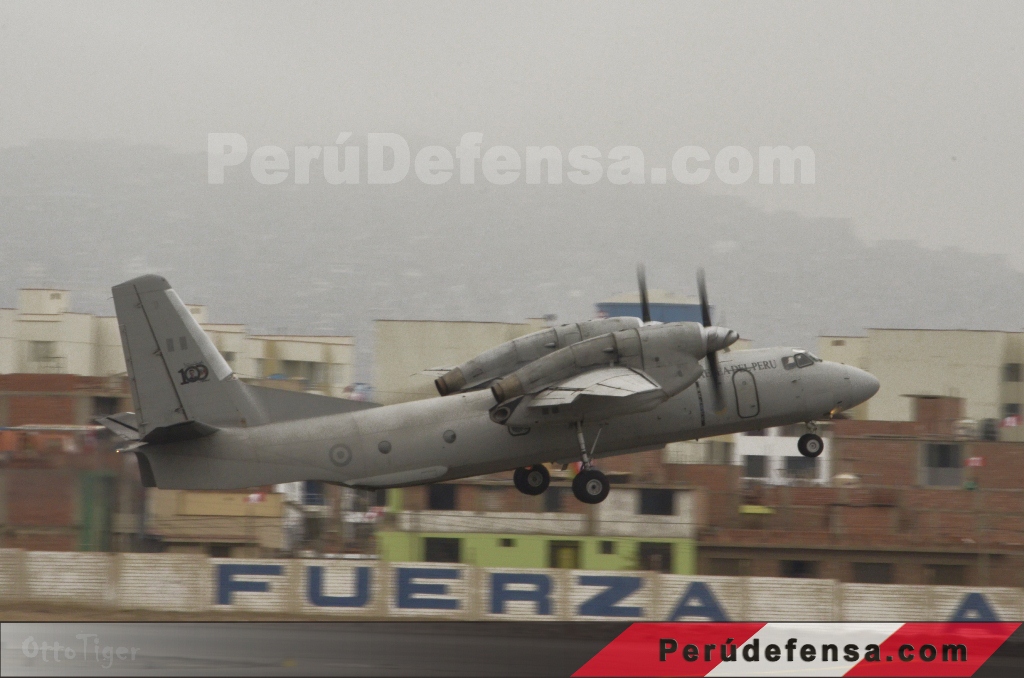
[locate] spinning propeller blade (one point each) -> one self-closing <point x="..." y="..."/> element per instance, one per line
<point x="705" y="314"/>
<point x="645" y="304"/>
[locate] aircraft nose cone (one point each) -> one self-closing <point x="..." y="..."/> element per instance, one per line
<point x="863" y="385"/>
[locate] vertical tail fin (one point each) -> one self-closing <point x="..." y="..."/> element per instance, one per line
<point x="179" y="380"/>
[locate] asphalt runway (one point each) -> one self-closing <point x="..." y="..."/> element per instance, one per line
<point x="302" y="648"/>
<point x="329" y="649"/>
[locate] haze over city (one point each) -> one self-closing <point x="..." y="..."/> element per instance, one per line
<point x="911" y="112"/>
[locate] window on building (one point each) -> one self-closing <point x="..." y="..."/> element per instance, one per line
<point x="656" y="502"/>
<point x="839" y="342"/>
<point x="43" y="350"/>
<point x="102" y="407"/>
<point x="730" y="567"/>
<point x="798" y="569"/>
<point x="442" y="550"/>
<point x="1013" y="372"/>
<point x="755" y="466"/>
<point x="873" y="573"/>
<point x="990" y="430"/>
<point x="313" y="493"/>
<point x="441" y="497"/>
<point x="945" y="575"/>
<point x="507" y="543"/>
<point x="607" y="548"/>
<point x="802" y="467"/>
<point x="378" y="498"/>
<point x="553" y="499"/>
<point x="564" y="555"/>
<point x="220" y="550"/>
<point x="1011" y="410"/>
<point x="943" y="464"/>
<point x="656" y="556"/>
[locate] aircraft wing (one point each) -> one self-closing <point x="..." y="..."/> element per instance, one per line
<point x="434" y="371"/>
<point x="606" y="382"/>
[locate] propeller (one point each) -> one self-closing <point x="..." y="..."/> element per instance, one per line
<point x="705" y="314"/>
<point x="645" y="304"/>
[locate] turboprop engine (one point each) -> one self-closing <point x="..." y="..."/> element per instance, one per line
<point x="669" y="353"/>
<point x="512" y="355"/>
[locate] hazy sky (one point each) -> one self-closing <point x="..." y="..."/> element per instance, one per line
<point x="914" y="110"/>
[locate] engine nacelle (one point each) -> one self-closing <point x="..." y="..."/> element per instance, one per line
<point x="669" y="353"/>
<point x="512" y="355"/>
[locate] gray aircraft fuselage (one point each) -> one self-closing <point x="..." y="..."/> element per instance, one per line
<point x="452" y="437"/>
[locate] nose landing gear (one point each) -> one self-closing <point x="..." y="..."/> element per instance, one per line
<point x="533" y="480"/>
<point x="810" y="445"/>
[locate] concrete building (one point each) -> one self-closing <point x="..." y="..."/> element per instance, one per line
<point x="43" y="336"/>
<point x="769" y="456"/>
<point x="235" y="524"/>
<point x="60" y="369"/>
<point x="985" y="369"/>
<point x="666" y="307"/>
<point x="645" y="524"/>
<point x="922" y="504"/>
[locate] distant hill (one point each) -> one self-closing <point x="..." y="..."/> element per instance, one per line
<point x="318" y="258"/>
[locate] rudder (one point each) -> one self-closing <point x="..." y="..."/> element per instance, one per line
<point x="179" y="380"/>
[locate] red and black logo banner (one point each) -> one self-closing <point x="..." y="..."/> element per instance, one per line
<point x="807" y="649"/>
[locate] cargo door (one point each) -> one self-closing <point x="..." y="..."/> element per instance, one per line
<point x="747" y="404"/>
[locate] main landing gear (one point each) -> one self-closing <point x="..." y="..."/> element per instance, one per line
<point x="810" y="444"/>
<point x="590" y="485"/>
<point x="533" y="480"/>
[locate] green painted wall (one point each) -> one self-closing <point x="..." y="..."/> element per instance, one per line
<point x="96" y="497"/>
<point x="528" y="550"/>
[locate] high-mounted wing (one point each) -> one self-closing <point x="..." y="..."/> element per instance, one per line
<point x="607" y="382"/>
<point x="433" y="372"/>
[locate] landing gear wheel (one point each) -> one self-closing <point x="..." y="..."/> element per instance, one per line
<point x="590" y="486"/>
<point x="533" y="480"/>
<point x="810" y="445"/>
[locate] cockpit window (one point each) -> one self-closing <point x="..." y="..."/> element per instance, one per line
<point x="799" y="359"/>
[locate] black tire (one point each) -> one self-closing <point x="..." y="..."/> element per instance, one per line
<point x="591" y="486"/>
<point x="532" y="481"/>
<point x="519" y="479"/>
<point x="810" y="445"/>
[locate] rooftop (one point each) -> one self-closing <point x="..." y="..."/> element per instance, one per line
<point x="654" y="296"/>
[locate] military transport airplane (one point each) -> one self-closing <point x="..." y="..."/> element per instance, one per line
<point x="580" y="391"/>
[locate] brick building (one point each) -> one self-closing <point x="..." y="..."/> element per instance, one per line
<point x="914" y="502"/>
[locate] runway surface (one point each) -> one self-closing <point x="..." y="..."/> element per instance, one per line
<point x="300" y="648"/>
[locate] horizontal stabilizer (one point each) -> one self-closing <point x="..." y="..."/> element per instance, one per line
<point x="124" y="424"/>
